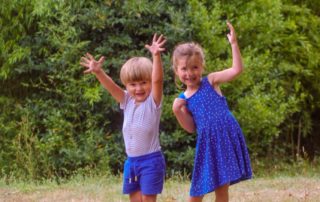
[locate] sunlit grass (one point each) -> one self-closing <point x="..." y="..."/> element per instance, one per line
<point x="279" y="182"/>
<point x="108" y="189"/>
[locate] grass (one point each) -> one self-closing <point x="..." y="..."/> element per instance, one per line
<point x="272" y="182"/>
<point x="108" y="189"/>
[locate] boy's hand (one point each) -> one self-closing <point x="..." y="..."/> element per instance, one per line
<point x="157" y="45"/>
<point x="232" y="35"/>
<point x="91" y="64"/>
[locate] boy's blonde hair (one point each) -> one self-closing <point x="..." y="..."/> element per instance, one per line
<point x="136" y="69"/>
<point x="189" y="49"/>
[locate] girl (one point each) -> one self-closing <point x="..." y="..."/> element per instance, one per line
<point x="144" y="169"/>
<point x="221" y="157"/>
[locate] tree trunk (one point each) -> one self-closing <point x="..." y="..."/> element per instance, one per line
<point x="299" y="138"/>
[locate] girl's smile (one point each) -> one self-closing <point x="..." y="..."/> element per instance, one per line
<point x="189" y="70"/>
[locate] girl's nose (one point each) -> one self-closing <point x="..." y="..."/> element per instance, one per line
<point x="189" y="72"/>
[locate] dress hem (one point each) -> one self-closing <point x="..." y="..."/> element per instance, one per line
<point x="223" y="183"/>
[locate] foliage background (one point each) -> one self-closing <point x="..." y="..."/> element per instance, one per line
<point x="54" y="121"/>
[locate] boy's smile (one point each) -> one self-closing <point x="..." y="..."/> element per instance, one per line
<point x="139" y="90"/>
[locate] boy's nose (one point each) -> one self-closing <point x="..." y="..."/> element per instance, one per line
<point x="139" y="87"/>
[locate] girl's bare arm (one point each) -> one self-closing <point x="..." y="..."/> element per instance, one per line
<point x="237" y="66"/>
<point x="184" y="118"/>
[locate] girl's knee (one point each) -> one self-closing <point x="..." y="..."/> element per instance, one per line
<point x="224" y="188"/>
<point x="222" y="193"/>
<point x="195" y="199"/>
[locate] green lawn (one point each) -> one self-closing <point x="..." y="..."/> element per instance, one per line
<point x="108" y="189"/>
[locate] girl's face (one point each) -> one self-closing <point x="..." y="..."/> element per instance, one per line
<point x="139" y="90"/>
<point x="189" y="70"/>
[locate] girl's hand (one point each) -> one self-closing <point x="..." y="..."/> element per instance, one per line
<point x="183" y="116"/>
<point x="91" y="64"/>
<point x="157" y="45"/>
<point x="232" y="35"/>
<point x="179" y="105"/>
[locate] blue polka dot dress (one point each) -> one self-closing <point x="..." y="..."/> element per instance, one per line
<point x="221" y="153"/>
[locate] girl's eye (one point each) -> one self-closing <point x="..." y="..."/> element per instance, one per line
<point x="195" y="67"/>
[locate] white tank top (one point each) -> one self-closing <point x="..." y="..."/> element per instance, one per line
<point x="141" y="126"/>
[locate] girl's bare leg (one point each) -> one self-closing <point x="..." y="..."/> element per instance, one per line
<point x="195" y="199"/>
<point x="222" y="193"/>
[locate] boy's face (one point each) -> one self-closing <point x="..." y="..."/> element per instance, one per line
<point x="189" y="71"/>
<point x="139" y="90"/>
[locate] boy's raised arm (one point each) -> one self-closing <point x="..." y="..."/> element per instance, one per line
<point x="157" y="70"/>
<point x="95" y="67"/>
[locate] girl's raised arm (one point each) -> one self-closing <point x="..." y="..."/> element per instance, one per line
<point x="237" y="66"/>
<point x="95" y="67"/>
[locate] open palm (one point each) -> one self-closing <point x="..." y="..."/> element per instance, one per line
<point x="232" y="34"/>
<point x="91" y="64"/>
<point x="157" y="45"/>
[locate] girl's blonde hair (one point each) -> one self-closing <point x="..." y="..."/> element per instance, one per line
<point x="136" y="69"/>
<point x="189" y="49"/>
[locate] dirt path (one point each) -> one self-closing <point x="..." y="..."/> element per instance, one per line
<point x="286" y="189"/>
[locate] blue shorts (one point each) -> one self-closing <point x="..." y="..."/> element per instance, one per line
<point x="145" y="173"/>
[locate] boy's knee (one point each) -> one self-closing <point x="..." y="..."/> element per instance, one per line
<point x="149" y="198"/>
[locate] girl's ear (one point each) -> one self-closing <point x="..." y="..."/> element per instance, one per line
<point x="174" y="69"/>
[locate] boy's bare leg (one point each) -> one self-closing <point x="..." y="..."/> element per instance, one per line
<point x="149" y="198"/>
<point x="136" y="196"/>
